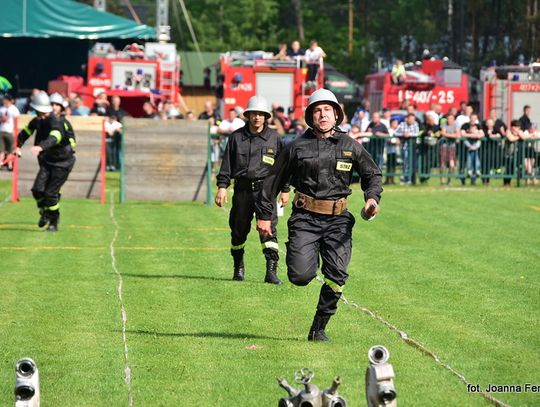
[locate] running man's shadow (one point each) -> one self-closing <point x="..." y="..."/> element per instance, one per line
<point x="223" y="335"/>
<point x="181" y="276"/>
<point x="21" y="227"/>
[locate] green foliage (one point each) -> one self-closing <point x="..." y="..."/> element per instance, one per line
<point x="480" y="30"/>
<point x="243" y="24"/>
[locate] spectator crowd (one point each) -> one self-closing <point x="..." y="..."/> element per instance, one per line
<point x="407" y="144"/>
<point x="455" y="145"/>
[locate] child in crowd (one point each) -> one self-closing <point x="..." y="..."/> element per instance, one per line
<point x="391" y="152"/>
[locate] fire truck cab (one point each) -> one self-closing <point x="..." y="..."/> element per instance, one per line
<point x="508" y="88"/>
<point x="247" y="74"/>
<point x="433" y="81"/>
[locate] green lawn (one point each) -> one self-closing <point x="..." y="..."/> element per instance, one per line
<point x="456" y="270"/>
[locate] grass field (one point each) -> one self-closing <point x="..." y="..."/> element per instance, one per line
<point x="456" y="270"/>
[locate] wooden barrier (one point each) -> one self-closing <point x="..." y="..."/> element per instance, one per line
<point x="165" y="160"/>
<point x="85" y="181"/>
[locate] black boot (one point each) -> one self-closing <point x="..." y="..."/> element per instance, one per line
<point x="54" y="218"/>
<point x="316" y="332"/>
<point x="271" y="272"/>
<point x="43" y="220"/>
<point x="238" y="257"/>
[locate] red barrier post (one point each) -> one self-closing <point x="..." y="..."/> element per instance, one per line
<point x="15" y="173"/>
<point x="103" y="162"/>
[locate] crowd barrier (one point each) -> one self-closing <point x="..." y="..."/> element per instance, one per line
<point x="417" y="159"/>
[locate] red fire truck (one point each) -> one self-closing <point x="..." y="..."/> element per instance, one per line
<point x="247" y="74"/>
<point x="431" y="81"/>
<point x="136" y="74"/>
<point x="508" y="88"/>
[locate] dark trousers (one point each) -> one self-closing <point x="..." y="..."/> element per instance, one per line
<point x="509" y="160"/>
<point x="49" y="180"/>
<point x="391" y="163"/>
<point x="424" y="161"/>
<point x="462" y="161"/>
<point x="312" y="71"/>
<point x="314" y="237"/>
<point x="113" y="150"/>
<point x="241" y="215"/>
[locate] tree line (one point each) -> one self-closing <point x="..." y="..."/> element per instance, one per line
<point x="360" y="35"/>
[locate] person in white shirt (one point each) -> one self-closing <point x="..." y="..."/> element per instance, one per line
<point x="465" y="117"/>
<point x="313" y="59"/>
<point x="8" y="114"/>
<point x="226" y="127"/>
<point x="435" y="112"/>
<point x="361" y="120"/>
<point x="113" y="129"/>
<point x="386" y="117"/>
<point x="232" y="123"/>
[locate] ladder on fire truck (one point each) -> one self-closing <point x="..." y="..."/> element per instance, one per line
<point x="500" y="101"/>
<point x="168" y="78"/>
<point x="308" y="88"/>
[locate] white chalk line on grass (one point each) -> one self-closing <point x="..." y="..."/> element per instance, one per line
<point x="418" y="345"/>
<point x="119" y="289"/>
<point x="5" y="200"/>
<point x="408" y="339"/>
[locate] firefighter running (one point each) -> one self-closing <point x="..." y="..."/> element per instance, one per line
<point x="54" y="145"/>
<point x="320" y="164"/>
<point x="250" y="153"/>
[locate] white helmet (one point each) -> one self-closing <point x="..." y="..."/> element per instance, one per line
<point x="58" y="99"/>
<point x="258" y="104"/>
<point x="319" y="96"/>
<point x="41" y="103"/>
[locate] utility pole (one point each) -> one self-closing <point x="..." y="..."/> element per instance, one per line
<point x="297" y="5"/>
<point x="450" y="31"/>
<point x="350" y="26"/>
<point x="100" y="5"/>
<point x="162" y="12"/>
<point x="461" y="28"/>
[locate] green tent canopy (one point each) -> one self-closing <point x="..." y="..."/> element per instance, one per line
<point x="65" y="19"/>
<point x="5" y="85"/>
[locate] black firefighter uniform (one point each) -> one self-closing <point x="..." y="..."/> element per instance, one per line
<point x="55" y="135"/>
<point x="247" y="160"/>
<point x="320" y="170"/>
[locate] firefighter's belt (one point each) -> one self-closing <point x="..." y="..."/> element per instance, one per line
<point x="249" y="184"/>
<point x="322" y="206"/>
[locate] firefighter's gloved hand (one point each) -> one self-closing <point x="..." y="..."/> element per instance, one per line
<point x="370" y="209"/>
<point x="221" y="197"/>
<point x="284" y="198"/>
<point x="264" y="227"/>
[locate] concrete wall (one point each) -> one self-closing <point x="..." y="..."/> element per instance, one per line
<point x="83" y="181"/>
<point x="165" y="160"/>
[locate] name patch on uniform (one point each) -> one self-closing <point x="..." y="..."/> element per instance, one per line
<point x="268" y="160"/>
<point x="342" y="166"/>
<point x="347" y="154"/>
